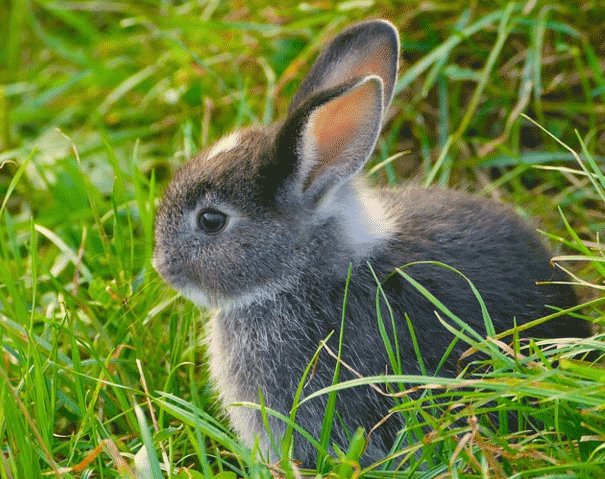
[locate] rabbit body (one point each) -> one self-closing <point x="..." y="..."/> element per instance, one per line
<point x="263" y="227"/>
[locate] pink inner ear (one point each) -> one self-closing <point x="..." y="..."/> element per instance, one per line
<point x="336" y="127"/>
<point x="374" y="61"/>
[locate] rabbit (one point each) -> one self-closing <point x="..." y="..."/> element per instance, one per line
<point x="262" y="227"/>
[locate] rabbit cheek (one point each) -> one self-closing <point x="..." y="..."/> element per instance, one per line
<point x="242" y="265"/>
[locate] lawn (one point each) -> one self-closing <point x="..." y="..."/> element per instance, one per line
<point x="103" y="365"/>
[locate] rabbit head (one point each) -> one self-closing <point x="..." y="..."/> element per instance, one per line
<point x="240" y="221"/>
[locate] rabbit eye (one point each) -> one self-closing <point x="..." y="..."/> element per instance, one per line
<point x="211" y="221"/>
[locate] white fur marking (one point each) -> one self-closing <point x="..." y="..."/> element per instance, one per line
<point x="196" y="295"/>
<point x="200" y="298"/>
<point x="225" y="144"/>
<point x="364" y="219"/>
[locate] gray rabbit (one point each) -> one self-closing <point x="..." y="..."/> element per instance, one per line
<point x="262" y="228"/>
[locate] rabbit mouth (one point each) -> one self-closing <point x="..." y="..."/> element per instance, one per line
<point x="192" y="291"/>
<point x="204" y="290"/>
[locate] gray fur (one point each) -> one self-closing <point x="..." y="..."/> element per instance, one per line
<point x="275" y="275"/>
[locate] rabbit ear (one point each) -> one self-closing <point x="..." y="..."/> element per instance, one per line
<point x="367" y="48"/>
<point x="329" y="138"/>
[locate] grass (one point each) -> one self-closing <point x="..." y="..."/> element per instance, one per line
<point x="101" y="101"/>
